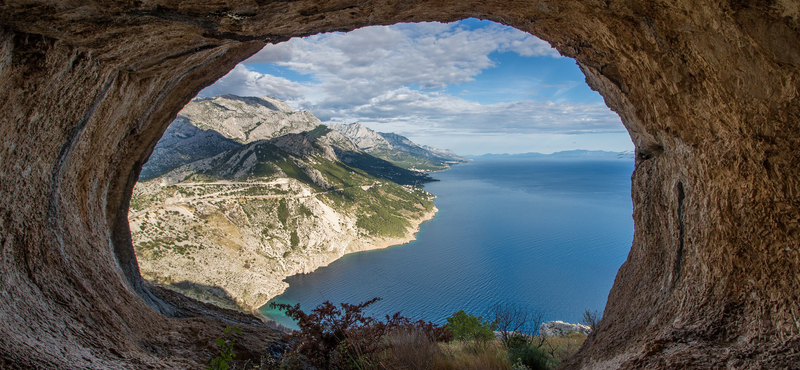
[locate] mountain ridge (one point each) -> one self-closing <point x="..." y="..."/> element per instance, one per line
<point x="398" y="149"/>
<point x="228" y="228"/>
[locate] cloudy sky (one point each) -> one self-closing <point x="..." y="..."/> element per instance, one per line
<point x="472" y="86"/>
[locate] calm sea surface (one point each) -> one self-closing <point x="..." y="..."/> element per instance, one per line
<point x="548" y="233"/>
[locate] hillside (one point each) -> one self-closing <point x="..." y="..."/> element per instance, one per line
<point x="230" y="227"/>
<point x="397" y="149"/>
<point x="209" y="126"/>
<point x="184" y="143"/>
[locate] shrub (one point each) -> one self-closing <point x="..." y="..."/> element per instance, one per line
<point x="517" y="341"/>
<point x="468" y="327"/>
<point x="563" y="347"/>
<point x="333" y="338"/>
<point x="592" y="318"/>
<point x="534" y="358"/>
<point x="514" y="320"/>
<point x="225" y="344"/>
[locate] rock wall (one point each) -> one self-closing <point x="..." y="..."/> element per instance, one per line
<point x="707" y="90"/>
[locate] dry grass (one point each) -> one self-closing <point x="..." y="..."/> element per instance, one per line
<point x="461" y="355"/>
<point x="409" y="350"/>
<point x="562" y="348"/>
<point x="413" y="350"/>
<point x="471" y="356"/>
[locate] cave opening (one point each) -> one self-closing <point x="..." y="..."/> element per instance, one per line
<point x="256" y="205"/>
<point x="704" y="88"/>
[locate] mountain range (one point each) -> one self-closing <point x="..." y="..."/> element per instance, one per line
<point x="242" y="192"/>
<point x="567" y="154"/>
<point x="398" y="149"/>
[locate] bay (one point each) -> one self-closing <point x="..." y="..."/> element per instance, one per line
<point x="549" y="233"/>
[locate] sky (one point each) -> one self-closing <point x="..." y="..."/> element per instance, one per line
<point x="472" y="86"/>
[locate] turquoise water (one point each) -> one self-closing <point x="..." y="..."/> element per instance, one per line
<point x="548" y="233"/>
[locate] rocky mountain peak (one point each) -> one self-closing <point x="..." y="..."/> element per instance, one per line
<point x="247" y="119"/>
<point x="364" y="137"/>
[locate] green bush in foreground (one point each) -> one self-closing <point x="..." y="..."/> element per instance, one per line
<point x="343" y="338"/>
<point x="468" y="327"/>
<point x="520" y="351"/>
<point x="223" y="359"/>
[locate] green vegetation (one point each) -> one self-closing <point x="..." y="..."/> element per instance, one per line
<point x="225" y="344"/>
<point x="521" y="352"/>
<point x="319" y="131"/>
<point x="264" y="169"/>
<point x="344" y="338"/>
<point x="468" y="327"/>
<point x="381" y="168"/>
<point x="342" y="175"/>
<point x="384" y="209"/>
<point x="382" y="223"/>
<point x="292" y="170"/>
<point x="283" y="213"/>
<point x="409" y="161"/>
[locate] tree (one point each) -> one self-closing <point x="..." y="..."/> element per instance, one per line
<point x="468" y="327"/>
<point x="514" y="320"/>
<point x="592" y="318"/>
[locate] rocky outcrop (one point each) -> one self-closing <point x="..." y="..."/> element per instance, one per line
<point x="361" y="135"/>
<point x="248" y="119"/>
<point x="184" y="143"/>
<point x="242" y="239"/>
<point x="560" y="329"/>
<point x="707" y="90"/>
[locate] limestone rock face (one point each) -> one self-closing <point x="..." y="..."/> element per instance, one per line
<point x="708" y="91"/>
<point x="363" y="137"/>
<point x="248" y="119"/>
<point x="184" y="143"/>
<point x="560" y="328"/>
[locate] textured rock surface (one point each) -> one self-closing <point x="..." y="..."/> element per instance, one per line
<point x="248" y="119"/>
<point x="184" y="143"/>
<point x="707" y="90"/>
<point x="560" y="328"/>
<point x="398" y="149"/>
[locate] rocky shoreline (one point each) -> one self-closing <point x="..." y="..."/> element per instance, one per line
<point x="238" y="267"/>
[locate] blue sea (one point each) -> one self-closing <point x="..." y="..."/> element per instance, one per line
<point x="549" y="233"/>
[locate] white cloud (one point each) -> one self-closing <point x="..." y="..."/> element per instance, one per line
<point x="425" y="111"/>
<point x="354" y="67"/>
<point x="393" y="79"/>
<point x="243" y="81"/>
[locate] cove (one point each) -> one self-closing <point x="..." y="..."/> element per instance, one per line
<point x="549" y="232"/>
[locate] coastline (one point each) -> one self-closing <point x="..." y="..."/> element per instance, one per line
<point x="249" y="280"/>
<point x="382" y="244"/>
